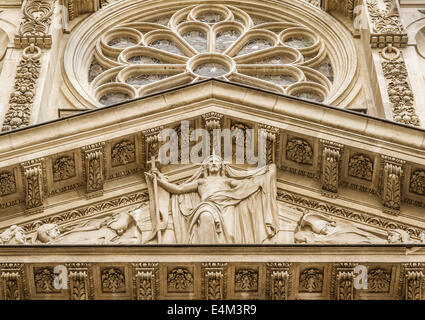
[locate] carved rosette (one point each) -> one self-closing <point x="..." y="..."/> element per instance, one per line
<point x="393" y="172"/>
<point x="311" y="280"/>
<point x="272" y="136"/>
<point x="417" y="182"/>
<point x="94" y="164"/>
<point x="35" y="24"/>
<point x="33" y="182"/>
<point x="331" y="155"/>
<point x="7" y="183"/>
<point x="180" y="279"/>
<point x="246" y="280"/>
<point x="79" y="281"/>
<point x="63" y="168"/>
<point x="379" y="280"/>
<point x="44" y="280"/>
<point x="299" y="151"/>
<point x="123" y="153"/>
<point x="146" y="281"/>
<point x="11" y="281"/>
<point x="152" y="143"/>
<point x="113" y="280"/>
<point x="360" y="166"/>
<point x="213" y="281"/>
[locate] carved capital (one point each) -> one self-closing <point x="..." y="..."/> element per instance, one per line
<point x="413" y="284"/>
<point x="94" y="165"/>
<point x="33" y="182"/>
<point x="213" y="120"/>
<point x="213" y="281"/>
<point x="152" y="143"/>
<point x="331" y="155"/>
<point x="392" y="175"/>
<point x="146" y="281"/>
<point x="278" y="280"/>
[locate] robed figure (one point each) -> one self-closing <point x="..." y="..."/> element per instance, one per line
<point x="217" y="205"/>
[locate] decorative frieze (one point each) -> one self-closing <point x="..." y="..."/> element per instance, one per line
<point x="33" y="183"/>
<point x="331" y="155"/>
<point x="146" y="281"/>
<point x="94" y="165"/>
<point x="392" y="176"/>
<point x="22" y="97"/>
<point x="214" y="280"/>
<point x="299" y="151"/>
<point x="35" y="25"/>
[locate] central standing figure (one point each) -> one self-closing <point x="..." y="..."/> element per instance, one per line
<point x="217" y="205"/>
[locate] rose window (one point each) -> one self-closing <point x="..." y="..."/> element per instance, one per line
<point x="210" y="41"/>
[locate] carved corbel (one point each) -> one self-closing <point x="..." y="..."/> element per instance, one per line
<point x="213" y="120"/>
<point x="94" y="165"/>
<point x="33" y="182"/>
<point x="213" y="281"/>
<point x="331" y="155"/>
<point x="146" y="281"/>
<point x="278" y="280"/>
<point x="79" y="281"/>
<point x="11" y="281"/>
<point x="413" y="284"/>
<point x="152" y="143"/>
<point x="343" y="281"/>
<point x="272" y="136"/>
<point x="391" y="189"/>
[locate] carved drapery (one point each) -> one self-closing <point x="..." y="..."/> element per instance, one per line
<point x="33" y="182"/>
<point x="94" y="165"/>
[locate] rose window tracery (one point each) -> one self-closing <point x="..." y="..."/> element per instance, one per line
<point x="210" y="41"/>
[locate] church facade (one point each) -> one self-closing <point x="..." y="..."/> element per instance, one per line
<point x="159" y="149"/>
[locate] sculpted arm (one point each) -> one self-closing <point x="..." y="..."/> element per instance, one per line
<point x="174" y="188"/>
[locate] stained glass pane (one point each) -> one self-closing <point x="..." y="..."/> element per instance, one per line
<point x="122" y="42"/>
<point x="255" y="45"/>
<point x="211" y="70"/>
<point x="113" y="98"/>
<point x="225" y="39"/>
<point x="326" y="69"/>
<point x="143" y="60"/>
<point x="197" y="39"/>
<point x="210" y="17"/>
<point x="309" y="96"/>
<point x="299" y="42"/>
<point x="276" y="60"/>
<point x="282" y="80"/>
<point x="144" y="79"/>
<point x="95" y="70"/>
<point x="166" y="45"/>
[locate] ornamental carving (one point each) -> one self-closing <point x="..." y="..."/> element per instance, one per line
<point x="379" y="280"/>
<point x="345" y="285"/>
<point x="311" y="280"/>
<point x="11" y="285"/>
<point x="392" y="185"/>
<point x="123" y="153"/>
<point x="300" y="151"/>
<point x="44" y="280"/>
<point x="34" y="27"/>
<point x="213" y="282"/>
<point x="7" y="183"/>
<point x="417" y="182"/>
<point x="330" y="166"/>
<point x="113" y="280"/>
<point x="246" y="280"/>
<point x="22" y="97"/>
<point x="272" y="136"/>
<point x="386" y="25"/>
<point x="79" y="282"/>
<point x="146" y="281"/>
<point x="414" y="284"/>
<point x="180" y="279"/>
<point x="400" y="92"/>
<point x="278" y="280"/>
<point x="94" y="158"/>
<point x="63" y="168"/>
<point x="33" y="182"/>
<point x="360" y="166"/>
<point x="152" y="143"/>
